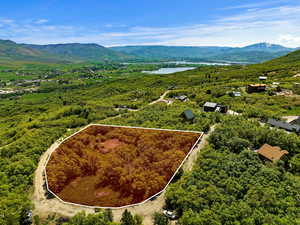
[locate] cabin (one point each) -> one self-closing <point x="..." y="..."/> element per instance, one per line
<point x="262" y="78"/>
<point x="182" y="98"/>
<point x="210" y="107"/>
<point x="188" y="115"/>
<point x="235" y="94"/>
<point x="222" y="108"/>
<point x="255" y="88"/>
<point x="284" y="125"/>
<point x="214" y="107"/>
<point x="271" y="153"/>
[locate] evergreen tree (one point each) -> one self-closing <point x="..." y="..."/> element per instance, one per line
<point x="127" y="218"/>
<point x="160" y="219"/>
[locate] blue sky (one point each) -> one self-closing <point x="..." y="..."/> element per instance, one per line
<point x="155" y="22"/>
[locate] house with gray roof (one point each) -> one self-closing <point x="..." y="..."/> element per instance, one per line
<point x="210" y="106"/>
<point x="284" y="125"/>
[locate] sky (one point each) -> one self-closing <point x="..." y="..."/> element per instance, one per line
<point x="234" y="23"/>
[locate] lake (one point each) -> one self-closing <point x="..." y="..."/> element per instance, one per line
<point x="187" y="63"/>
<point x="169" y="70"/>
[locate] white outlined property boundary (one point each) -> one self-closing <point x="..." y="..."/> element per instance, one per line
<point x="132" y="205"/>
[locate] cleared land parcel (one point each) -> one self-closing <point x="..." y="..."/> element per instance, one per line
<point x="108" y="166"/>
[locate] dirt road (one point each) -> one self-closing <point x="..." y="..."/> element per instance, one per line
<point x="44" y="207"/>
<point x="161" y="99"/>
<point x="188" y="165"/>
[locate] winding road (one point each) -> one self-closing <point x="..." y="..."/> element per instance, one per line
<point x="45" y="207"/>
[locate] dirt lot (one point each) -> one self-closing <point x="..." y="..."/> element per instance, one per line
<point x="116" y="166"/>
<point x="45" y="207"/>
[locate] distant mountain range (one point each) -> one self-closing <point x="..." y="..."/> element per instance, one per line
<point x="58" y="53"/>
<point x="70" y="53"/>
<point x="250" y="54"/>
<point x="80" y="52"/>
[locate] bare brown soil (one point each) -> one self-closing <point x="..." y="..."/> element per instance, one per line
<point x="45" y="207"/>
<point x="116" y="166"/>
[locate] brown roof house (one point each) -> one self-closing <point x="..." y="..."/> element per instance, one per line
<point x="253" y="88"/>
<point x="271" y="153"/>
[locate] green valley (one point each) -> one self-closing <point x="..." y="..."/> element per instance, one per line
<point x="228" y="184"/>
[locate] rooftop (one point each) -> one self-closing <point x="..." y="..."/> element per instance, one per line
<point x="257" y="85"/>
<point x="272" y="153"/>
<point x="210" y="104"/>
<point x="284" y="125"/>
<point x="188" y="114"/>
<point x="262" y="78"/>
<point x="236" y="94"/>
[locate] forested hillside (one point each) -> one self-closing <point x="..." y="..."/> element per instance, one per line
<point x="81" y="52"/>
<point x="76" y="52"/>
<point x="60" y="53"/>
<point x="230" y="184"/>
<point x="249" y="54"/>
<point x="11" y="51"/>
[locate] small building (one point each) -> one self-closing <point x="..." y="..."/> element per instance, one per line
<point x="262" y="78"/>
<point x="214" y="107"/>
<point x="222" y="108"/>
<point x="235" y="94"/>
<point x="254" y="88"/>
<point x="210" y="107"/>
<point x="182" y="98"/>
<point x="188" y="115"/>
<point x="271" y="153"/>
<point x="284" y="125"/>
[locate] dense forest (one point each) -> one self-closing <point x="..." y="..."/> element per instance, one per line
<point x="116" y="166"/>
<point x="32" y="121"/>
<point x="230" y="184"/>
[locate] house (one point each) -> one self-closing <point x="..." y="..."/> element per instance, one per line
<point x="296" y="121"/>
<point x="214" y="107"/>
<point x="188" y="115"/>
<point x="182" y="98"/>
<point x="271" y="153"/>
<point x="235" y="94"/>
<point x="262" y="78"/>
<point x="210" y="107"/>
<point x="252" y="88"/>
<point x="222" y="108"/>
<point x="284" y="125"/>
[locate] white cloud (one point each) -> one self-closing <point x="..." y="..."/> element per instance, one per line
<point x="279" y="25"/>
<point x="290" y="39"/>
<point x="256" y="5"/>
<point x="7" y="21"/>
<point x="41" y="21"/>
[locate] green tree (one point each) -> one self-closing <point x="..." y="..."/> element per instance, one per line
<point x="127" y="218"/>
<point x="108" y="215"/>
<point x="295" y="164"/>
<point x="160" y="219"/>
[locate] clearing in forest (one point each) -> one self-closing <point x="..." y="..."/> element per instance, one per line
<point x="114" y="166"/>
